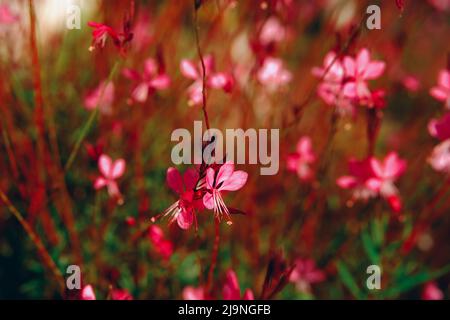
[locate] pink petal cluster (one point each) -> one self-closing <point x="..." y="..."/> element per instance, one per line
<point x="272" y="74"/>
<point x="231" y="289"/>
<point x="102" y="32"/>
<point x="194" y="293"/>
<point x="301" y="160"/>
<point x="110" y="172"/>
<point x="6" y="16"/>
<point x="272" y="31"/>
<point x="148" y="81"/>
<point x="345" y="81"/>
<point x="372" y="177"/>
<point x="431" y="291"/>
<point x="214" y="80"/>
<point x="101" y="97"/>
<point x="305" y="274"/>
<point x="441" y="91"/>
<point x="160" y="244"/>
<point x="217" y="182"/>
<point x="87" y="293"/>
<point x="441" y="5"/>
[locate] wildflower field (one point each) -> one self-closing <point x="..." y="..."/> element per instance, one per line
<point x="341" y="184"/>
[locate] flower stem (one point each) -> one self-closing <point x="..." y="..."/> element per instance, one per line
<point x="215" y="253"/>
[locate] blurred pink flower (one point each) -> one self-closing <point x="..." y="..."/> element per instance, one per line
<point x="147" y="82"/>
<point x="226" y="179"/>
<point x="440" y="128"/>
<point x="431" y="291"/>
<point x="272" y="74"/>
<point x="411" y="83"/>
<point x="101" y="97"/>
<point x="231" y="290"/>
<point x="305" y="274"/>
<point x="6" y="16"/>
<point x="193" y="293"/>
<point x="441" y="92"/>
<point x="359" y="71"/>
<point x="440" y="157"/>
<point x="121" y="294"/>
<point x="442" y="5"/>
<point x="215" y="80"/>
<point x="301" y="161"/>
<point x="272" y="31"/>
<point x="183" y="210"/>
<point x="162" y="246"/>
<point x="359" y="172"/>
<point x="111" y="171"/>
<point x="87" y="293"/>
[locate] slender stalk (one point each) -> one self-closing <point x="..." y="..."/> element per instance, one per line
<point x="42" y="251"/>
<point x="88" y="125"/>
<point x="215" y="253"/>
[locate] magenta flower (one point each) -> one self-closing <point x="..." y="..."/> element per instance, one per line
<point x="231" y="290"/>
<point x="215" y="80"/>
<point x="441" y="92"/>
<point x="300" y="162"/>
<point x="441" y="5"/>
<point x="431" y="291"/>
<point x="305" y="274"/>
<point x="101" y="97"/>
<point x="102" y="32"/>
<point x="120" y="294"/>
<point x="226" y="179"/>
<point x="359" y="71"/>
<point x="193" y="293"/>
<point x="183" y="210"/>
<point x="360" y="171"/>
<point x="161" y="245"/>
<point x="271" y="32"/>
<point x="272" y="74"/>
<point x="87" y="293"/>
<point x="440" y="157"/>
<point x="6" y="16"/>
<point x="150" y="80"/>
<point x="111" y="171"/>
<point x="440" y="128"/>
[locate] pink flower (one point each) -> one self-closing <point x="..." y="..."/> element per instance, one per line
<point x="272" y="74"/>
<point x="183" y="211"/>
<point x="441" y="92"/>
<point x="150" y="80"/>
<point x="440" y="157"/>
<point x="441" y="5"/>
<point x="372" y="177"/>
<point x="192" y="293"/>
<point x="300" y="161"/>
<point x="215" y="80"/>
<point x="432" y="292"/>
<point x="101" y="97"/>
<point x="121" y="294"/>
<point x="231" y="290"/>
<point x="102" y="31"/>
<point x="440" y="128"/>
<point x="272" y="31"/>
<point x="110" y="171"/>
<point x="87" y="293"/>
<point x="411" y="83"/>
<point x="359" y="71"/>
<point x="162" y="246"/>
<point x="226" y="179"/>
<point x="305" y="274"/>
<point x="6" y="16"/>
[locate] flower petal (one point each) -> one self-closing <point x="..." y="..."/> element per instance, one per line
<point x="188" y="69"/>
<point x="174" y="181"/>
<point x="235" y="182"/>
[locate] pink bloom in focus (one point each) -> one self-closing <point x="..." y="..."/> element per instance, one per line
<point x="162" y="246"/>
<point x="359" y="71"/>
<point x="300" y="161"/>
<point x="226" y="179"/>
<point x="147" y="82"/>
<point x="87" y="293"/>
<point x="440" y="128"/>
<point x="111" y="171"/>
<point x="6" y="16"/>
<point x="101" y="97"/>
<point x="441" y="92"/>
<point x="440" y="157"/>
<point x="431" y="291"/>
<point x="272" y="31"/>
<point x="121" y="294"/>
<point x="272" y="74"/>
<point x="183" y="211"/>
<point x="193" y="293"/>
<point x="215" y="80"/>
<point x="231" y="290"/>
<point x="305" y="274"/>
<point x="100" y="33"/>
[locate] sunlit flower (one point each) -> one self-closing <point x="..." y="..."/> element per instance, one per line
<point x="272" y="74"/>
<point x="300" y="162"/>
<point x="87" y="293"/>
<point x="111" y="171"/>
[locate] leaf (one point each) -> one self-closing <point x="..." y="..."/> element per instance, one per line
<point x="370" y="247"/>
<point x="348" y="280"/>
